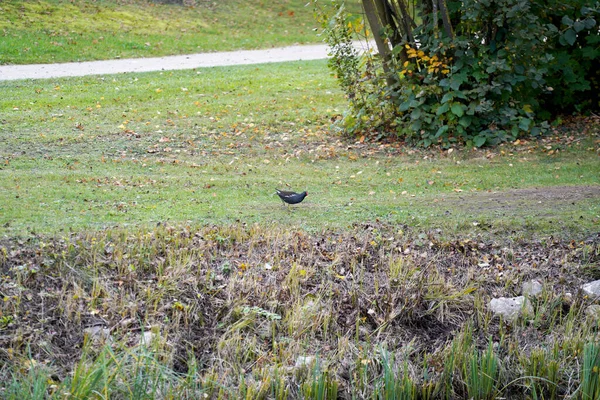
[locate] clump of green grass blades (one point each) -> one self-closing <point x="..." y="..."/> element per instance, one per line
<point x="590" y="385"/>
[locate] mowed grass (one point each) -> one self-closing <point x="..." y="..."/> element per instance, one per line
<point x="50" y="31"/>
<point x="209" y="147"/>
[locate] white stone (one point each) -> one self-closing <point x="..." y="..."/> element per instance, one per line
<point x="147" y="338"/>
<point x="593" y="311"/>
<point x="304" y="361"/>
<point x="303" y="367"/>
<point x="532" y="288"/>
<point x="592" y="288"/>
<point x="510" y="307"/>
<point x="98" y="333"/>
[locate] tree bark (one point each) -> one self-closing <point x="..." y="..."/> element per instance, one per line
<point x="375" y="12"/>
<point x="446" y="19"/>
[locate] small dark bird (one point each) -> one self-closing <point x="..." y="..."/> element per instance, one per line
<point x="291" y="197"/>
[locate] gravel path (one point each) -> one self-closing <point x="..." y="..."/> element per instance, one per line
<point x="190" y="61"/>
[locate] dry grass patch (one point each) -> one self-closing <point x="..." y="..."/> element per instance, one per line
<point x="264" y="311"/>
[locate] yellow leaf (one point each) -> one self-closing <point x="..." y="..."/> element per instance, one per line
<point x="527" y="108"/>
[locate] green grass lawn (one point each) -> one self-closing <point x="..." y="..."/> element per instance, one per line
<point x="50" y="31"/>
<point x="210" y="146"/>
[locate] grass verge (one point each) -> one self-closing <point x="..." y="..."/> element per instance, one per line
<point x="50" y="31"/>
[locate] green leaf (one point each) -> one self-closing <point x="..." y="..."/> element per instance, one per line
<point x="590" y="52"/>
<point x="562" y="41"/>
<point x="415" y="103"/>
<point x="479" y="141"/>
<point x="416" y="113"/>
<point x="455" y="83"/>
<point x="465" y="120"/>
<point x="589" y="23"/>
<point x="443" y="129"/>
<point x="458" y="110"/>
<point x="447" y="96"/>
<point x="524" y="124"/>
<point x="567" y="21"/>
<point x="579" y="26"/>
<point x="457" y="79"/>
<point x="442" y="109"/>
<point x="570" y="36"/>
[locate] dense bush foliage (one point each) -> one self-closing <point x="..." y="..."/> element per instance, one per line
<point x="506" y="67"/>
<point x="574" y="44"/>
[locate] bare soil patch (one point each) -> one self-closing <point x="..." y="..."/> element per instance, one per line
<point x="531" y="201"/>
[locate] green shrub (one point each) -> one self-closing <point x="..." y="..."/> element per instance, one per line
<point x="506" y="68"/>
<point x="574" y="43"/>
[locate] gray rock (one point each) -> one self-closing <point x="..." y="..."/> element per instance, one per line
<point x="510" y="307"/>
<point x="592" y="289"/>
<point x="532" y="288"/>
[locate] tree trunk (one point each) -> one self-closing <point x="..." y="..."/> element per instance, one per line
<point x="446" y="19"/>
<point x="376" y="15"/>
